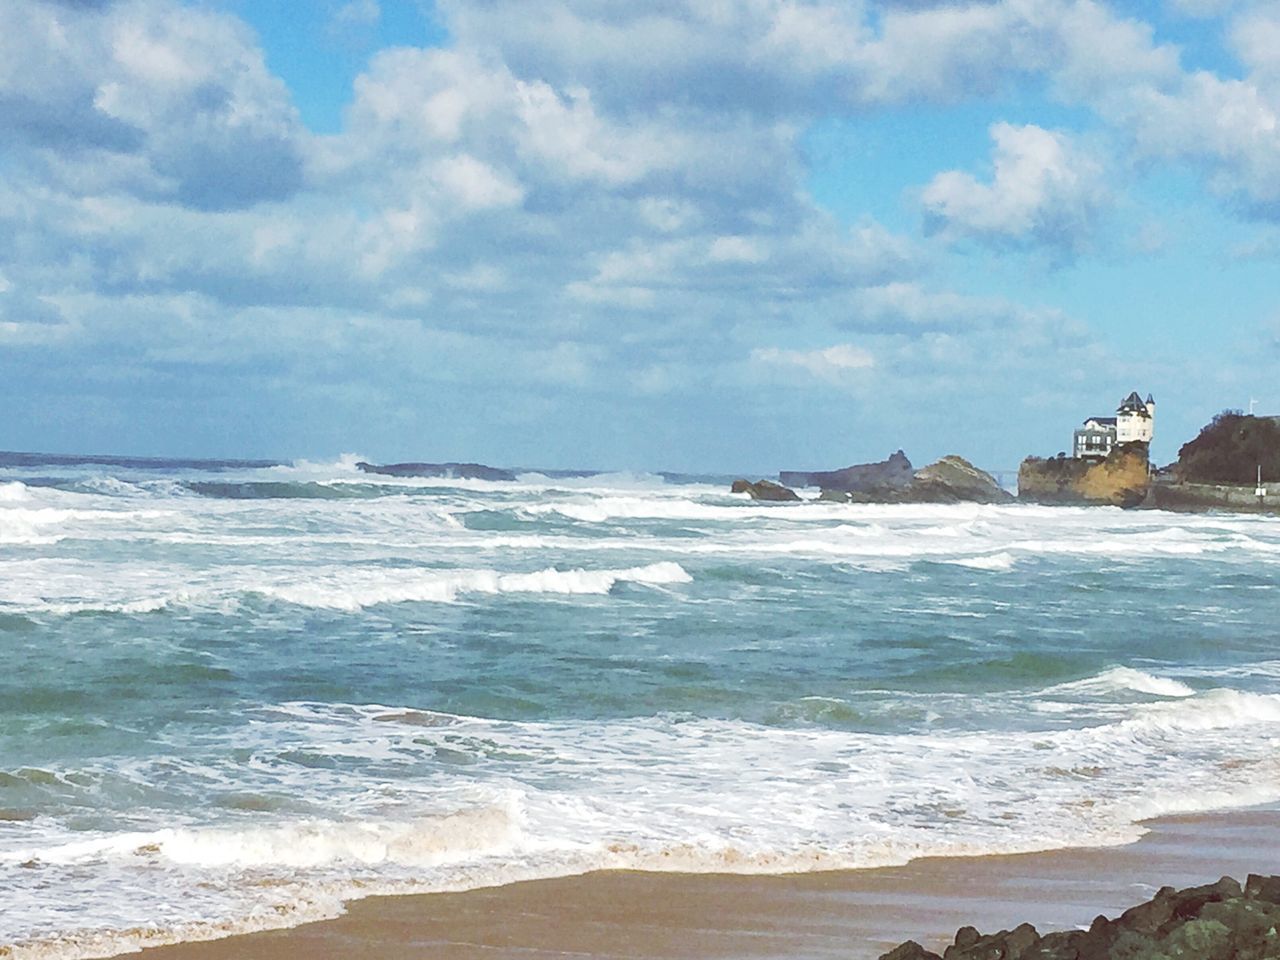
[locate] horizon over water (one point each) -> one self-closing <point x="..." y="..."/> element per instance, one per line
<point x="240" y="693"/>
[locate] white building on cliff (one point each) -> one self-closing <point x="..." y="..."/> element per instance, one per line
<point x="1134" y="422"/>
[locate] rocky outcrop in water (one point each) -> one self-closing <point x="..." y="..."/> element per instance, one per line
<point x="868" y="479"/>
<point x="1219" y="921"/>
<point x="955" y="480"/>
<point x="1122" y="479"/>
<point x="451" y="471"/>
<point x="764" y="490"/>
<point x="950" y="480"/>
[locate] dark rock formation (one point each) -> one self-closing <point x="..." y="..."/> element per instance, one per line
<point x="1219" y="921"/>
<point x="1229" y="450"/>
<point x="950" y="480"/>
<point x="955" y="480"/>
<point x="867" y="478"/>
<point x="1122" y="479"/>
<point x="452" y="471"/>
<point x="764" y="490"/>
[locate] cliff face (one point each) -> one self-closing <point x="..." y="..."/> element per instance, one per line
<point x="1121" y="480"/>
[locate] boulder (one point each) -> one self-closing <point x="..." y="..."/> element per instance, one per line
<point x="955" y="480"/>
<point x="764" y="490"/>
<point x="1218" y="921"/>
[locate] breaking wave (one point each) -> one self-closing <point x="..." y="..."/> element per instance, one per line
<point x="448" y="587"/>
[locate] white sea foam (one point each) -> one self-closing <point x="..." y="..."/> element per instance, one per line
<point x="392" y="798"/>
<point x="566" y="797"/>
<point x="14" y="492"/>
<point x="1125" y="678"/>
<point x="993" y="561"/>
<point x="354" y="593"/>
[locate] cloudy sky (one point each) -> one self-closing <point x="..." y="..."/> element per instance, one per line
<point x="674" y="234"/>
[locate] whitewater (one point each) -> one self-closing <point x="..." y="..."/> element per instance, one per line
<point x="237" y="696"/>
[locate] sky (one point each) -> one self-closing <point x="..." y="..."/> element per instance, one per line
<point x="695" y="235"/>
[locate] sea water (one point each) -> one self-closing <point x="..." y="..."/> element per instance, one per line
<point x="235" y="696"/>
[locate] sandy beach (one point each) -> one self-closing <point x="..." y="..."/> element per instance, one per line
<point x="849" y="914"/>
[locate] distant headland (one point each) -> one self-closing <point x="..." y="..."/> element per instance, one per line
<point x="1224" y="468"/>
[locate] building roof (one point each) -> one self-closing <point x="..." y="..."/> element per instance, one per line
<point x="1133" y="404"/>
<point x="1102" y="421"/>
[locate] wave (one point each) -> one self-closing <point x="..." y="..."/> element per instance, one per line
<point x="666" y="793"/>
<point x="448" y="587"/>
<point x="14" y="492"/>
<point x="1118" y="679"/>
<point x="427" y="841"/>
<point x="994" y="561"/>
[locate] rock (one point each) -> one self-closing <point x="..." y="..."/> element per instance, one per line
<point x="1263" y="888"/>
<point x="910" y="951"/>
<point x="1123" y="479"/>
<point x="764" y="490"/>
<point x="893" y="473"/>
<point x="1005" y="945"/>
<point x="1149" y="917"/>
<point x="452" y="471"/>
<point x="955" y="480"/>
<point x="966" y="937"/>
<point x="1218" y="921"/>
<point x="836" y="496"/>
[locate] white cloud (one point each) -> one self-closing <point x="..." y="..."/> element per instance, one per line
<point x="833" y="363"/>
<point x="1044" y="188"/>
<point x="737" y="250"/>
<point x="356" y="14"/>
<point x="572" y="196"/>
<point x="474" y="185"/>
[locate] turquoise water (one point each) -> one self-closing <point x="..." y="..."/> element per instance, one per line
<point x="235" y="697"/>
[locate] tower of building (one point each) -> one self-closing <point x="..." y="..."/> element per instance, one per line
<point x="1134" y="420"/>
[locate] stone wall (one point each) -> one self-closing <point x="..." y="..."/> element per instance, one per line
<point x="1207" y="496"/>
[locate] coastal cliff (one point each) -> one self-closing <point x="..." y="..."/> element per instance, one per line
<point x="1219" y="469"/>
<point x="1229" y="451"/>
<point x="1122" y="479"/>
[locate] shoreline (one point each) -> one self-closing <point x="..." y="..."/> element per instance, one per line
<point x="856" y="914"/>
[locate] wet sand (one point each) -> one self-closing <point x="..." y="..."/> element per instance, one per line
<point x="848" y="914"/>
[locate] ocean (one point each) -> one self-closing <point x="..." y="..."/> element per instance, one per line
<point x="237" y="695"/>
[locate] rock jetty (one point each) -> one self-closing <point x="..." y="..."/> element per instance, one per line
<point x="1219" y="921"/>
<point x="764" y="490"/>
<point x="1122" y="479"/>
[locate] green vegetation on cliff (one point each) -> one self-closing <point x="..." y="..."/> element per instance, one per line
<point x="1230" y="449"/>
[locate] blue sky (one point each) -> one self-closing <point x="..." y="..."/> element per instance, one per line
<point x="733" y="236"/>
